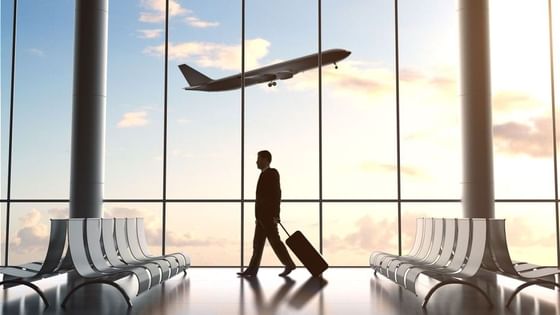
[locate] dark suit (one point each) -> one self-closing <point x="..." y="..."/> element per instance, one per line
<point x="267" y="207"/>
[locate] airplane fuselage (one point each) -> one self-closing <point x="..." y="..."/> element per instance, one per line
<point x="279" y="71"/>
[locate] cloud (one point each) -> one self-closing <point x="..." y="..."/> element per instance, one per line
<point x="133" y="119"/>
<point x="371" y="166"/>
<point x="221" y="56"/>
<point x="155" y="10"/>
<point x="368" y="235"/>
<point x="30" y="238"/>
<point x="533" y="138"/>
<point x="31" y="219"/>
<point x="33" y="234"/>
<point x="410" y="75"/>
<point x="152" y="221"/>
<point x="36" y="52"/>
<point x="150" y="33"/>
<point x="363" y="79"/>
<point x="527" y="235"/>
<point x="506" y="101"/>
<point x="198" y="23"/>
<point x="185" y="239"/>
<point x="351" y="78"/>
<point x="152" y="226"/>
<point x="59" y="213"/>
<point x="123" y="212"/>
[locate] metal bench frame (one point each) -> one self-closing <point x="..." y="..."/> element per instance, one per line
<point x="437" y="260"/>
<point x="107" y="254"/>
<point x="53" y="264"/>
<point x="498" y="259"/>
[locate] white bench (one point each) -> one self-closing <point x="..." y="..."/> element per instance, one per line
<point x="53" y="264"/>
<point x="449" y="251"/>
<point x="497" y="259"/>
<point x="110" y="252"/>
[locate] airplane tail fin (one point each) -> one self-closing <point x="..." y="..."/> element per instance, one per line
<point x="192" y="76"/>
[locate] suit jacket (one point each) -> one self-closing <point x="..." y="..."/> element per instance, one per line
<point x="267" y="203"/>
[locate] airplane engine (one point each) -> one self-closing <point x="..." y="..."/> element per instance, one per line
<point x="283" y="75"/>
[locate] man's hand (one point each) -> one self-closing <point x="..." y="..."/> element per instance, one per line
<point x="276" y="220"/>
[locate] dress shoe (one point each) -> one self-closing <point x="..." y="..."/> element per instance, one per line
<point x="247" y="274"/>
<point x="287" y="271"/>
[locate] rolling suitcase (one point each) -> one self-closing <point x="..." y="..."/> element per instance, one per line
<point x="305" y="252"/>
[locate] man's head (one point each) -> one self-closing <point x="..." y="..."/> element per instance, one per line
<point x="263" y="159"/>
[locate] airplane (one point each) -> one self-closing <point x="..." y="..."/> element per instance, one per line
<point x="279" y="71"/>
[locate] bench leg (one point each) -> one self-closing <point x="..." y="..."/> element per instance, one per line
<point x="111" y="283"/>
<point x="30" y="285"/>
<point x="527" y="284"/>
<point x="455" y="281"/>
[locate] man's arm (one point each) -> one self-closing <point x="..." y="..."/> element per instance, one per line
<point x="269" y="196"/>
<point x="275" y="193"/>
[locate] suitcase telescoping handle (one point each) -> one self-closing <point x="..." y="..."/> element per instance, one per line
<point x="283" y="228"/>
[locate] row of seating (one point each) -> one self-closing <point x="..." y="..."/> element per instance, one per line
<point x="497" y="259"/>
<point x="99" y="251"/>
<point x="452" y="251"/>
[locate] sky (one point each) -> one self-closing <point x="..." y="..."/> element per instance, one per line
<point x="358" y="121"/>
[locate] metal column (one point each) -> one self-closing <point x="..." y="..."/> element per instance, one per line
<point x="478" y="182"/>
<point x="88" y="109"/>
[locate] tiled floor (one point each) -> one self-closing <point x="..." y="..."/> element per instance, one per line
<point x="219" y="291"/>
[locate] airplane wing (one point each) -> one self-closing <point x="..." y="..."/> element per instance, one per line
<point x="260" y="77"/>
<point x="267" y="77"/>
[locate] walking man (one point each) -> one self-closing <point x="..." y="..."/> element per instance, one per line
<point x="267" y="217"/>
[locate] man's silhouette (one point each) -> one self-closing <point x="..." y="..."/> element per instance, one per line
<point x="267" y="215"/>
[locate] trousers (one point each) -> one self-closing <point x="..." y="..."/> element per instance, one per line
<point x="268" y="229"/>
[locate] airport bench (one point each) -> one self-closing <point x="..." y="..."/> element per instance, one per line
<point x="447" y="251"/>
<point x="53" y="264"/>
<point x="110" y="251"/>
<point x="99" y="251"/>
<point x="497" y="259"/>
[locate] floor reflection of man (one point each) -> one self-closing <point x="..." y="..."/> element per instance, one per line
<point x="270" y="308"/>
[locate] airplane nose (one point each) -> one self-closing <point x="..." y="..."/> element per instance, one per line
<point x="347" y="53"/>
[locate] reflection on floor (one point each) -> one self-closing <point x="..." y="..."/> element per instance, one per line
<point x="219" y="291"/>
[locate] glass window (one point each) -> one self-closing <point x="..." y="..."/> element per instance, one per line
<point x="556" y="62"/>
<point x="351" y="231"/>
<point x="283" y="118"/>
<point x="6" y="23"/>
<point x="43" y="99"/>
<point x="3" y="228"/>
<point x="151" y="212"/>
<point x="359" y="124"/>
<point x="302" y="217"/>
<point x="30" y="230"/>
<point x="204" y="134"/>
<point x="429" y="98"/>
<point x="208" y="232"/>
<point x="530" y="231"/>
<point x="521" y="106"/>
<point x="134" y="135"/>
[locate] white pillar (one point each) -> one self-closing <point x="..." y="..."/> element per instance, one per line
<point x="478" y="182"/>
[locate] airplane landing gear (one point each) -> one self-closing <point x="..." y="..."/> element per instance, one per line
<point x="271" y="84"/>
<point x="335" y="66"/>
